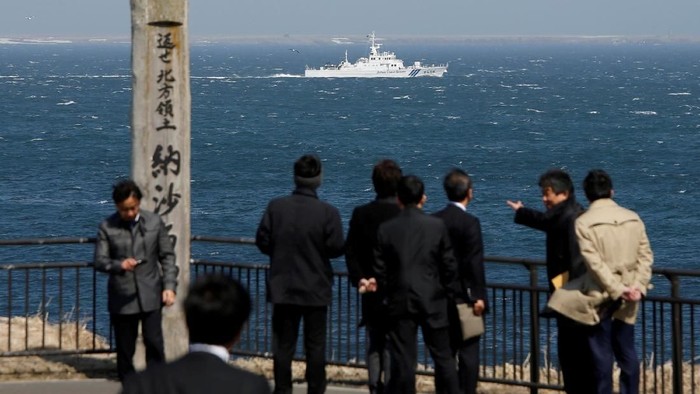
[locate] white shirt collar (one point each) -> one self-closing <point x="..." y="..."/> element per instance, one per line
<point x="459" y="205"/>
<point x="216" y="350"/>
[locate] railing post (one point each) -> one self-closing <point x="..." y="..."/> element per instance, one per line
<point x="677" y="338"/>
<point x="535" y="329"/>
<point x="94" y="311"/>
<point x="9" y="310"/>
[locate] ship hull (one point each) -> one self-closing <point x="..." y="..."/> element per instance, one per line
<point x="349" y="73"/>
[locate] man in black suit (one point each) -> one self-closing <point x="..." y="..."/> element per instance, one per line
<point x="470" y="287"/>
<point x="415" y="268"/>
<point x="359" y="258"/>
<point x="216" y="309"/>
<point x="301" y="234"/>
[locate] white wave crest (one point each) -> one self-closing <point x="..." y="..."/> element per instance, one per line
<point x="284" y="76"/>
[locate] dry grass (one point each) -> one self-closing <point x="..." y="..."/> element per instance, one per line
<point x="34" y="333"/>
<point x="654" y="381"/>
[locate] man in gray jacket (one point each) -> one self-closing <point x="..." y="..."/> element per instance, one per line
<point x="133" y="247"/>
<point x="618" y="258"/>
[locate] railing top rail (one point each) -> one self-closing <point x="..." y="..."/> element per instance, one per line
<point x="45" y="265"/>
<point x="82" y="240"/>
<point x="227" y="264"/>
<point x="234" y="240"/>
<point x="46" y="241"/>
<point x="668" y="272"/>
<point x="514" y="260"/>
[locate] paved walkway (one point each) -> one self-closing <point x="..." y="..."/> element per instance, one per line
<point x="103" y="386"/>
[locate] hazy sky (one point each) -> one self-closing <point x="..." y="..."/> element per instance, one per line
<point x="212" y="18"/>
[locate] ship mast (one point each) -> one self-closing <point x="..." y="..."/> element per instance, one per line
<point x="373" y="45"/>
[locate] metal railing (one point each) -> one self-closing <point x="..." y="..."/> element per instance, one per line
<point x="67" y="301"/>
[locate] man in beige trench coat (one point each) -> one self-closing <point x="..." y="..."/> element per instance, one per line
<point x="618" y="258"/>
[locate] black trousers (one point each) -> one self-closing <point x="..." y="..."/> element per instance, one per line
<point x="575" y="358"/>
<point x="377" y="358"/>
<point x="467" y="353"/>
<point x="126" y="331"/>
<point x="285" y="332"/>
<point x="403" y="344"/>
<point x="468" y="364"/>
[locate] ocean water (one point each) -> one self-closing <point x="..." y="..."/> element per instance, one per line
<point x="503" y="112"/>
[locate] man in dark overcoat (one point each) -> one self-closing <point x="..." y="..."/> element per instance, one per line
<point x="300" y="233"/>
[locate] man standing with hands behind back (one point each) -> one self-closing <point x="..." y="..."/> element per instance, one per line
<point x="359" y="258"/>
<point x="618" y="257"/>
<point x="134" y="248"/>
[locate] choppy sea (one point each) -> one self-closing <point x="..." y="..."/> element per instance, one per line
<point x="503" y="112"/>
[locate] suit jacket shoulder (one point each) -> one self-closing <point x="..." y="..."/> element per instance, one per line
<point x="415" y="266"/>
<point x="196" y="372"/>
<point x="362" y="236"/>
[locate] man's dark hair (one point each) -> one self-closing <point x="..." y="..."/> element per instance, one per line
<point x="385" y="178"/>
<point x="457" y="184"/>
<point x="410" y="190"/>
<point x="307" y="171"/>
<point x="307" y="166"/>
<point x="597" y="185"/>
<point x="558" y="180"/>
<point x="216" y="308"/>
<point x="122" y="190"/>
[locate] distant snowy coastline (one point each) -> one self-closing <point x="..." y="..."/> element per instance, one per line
<point x="350" y="39"/>
<point x="16" y="41"/>
<point x="58" y="41"/>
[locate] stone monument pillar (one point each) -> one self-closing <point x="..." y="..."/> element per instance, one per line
<point x="160" y="129"/>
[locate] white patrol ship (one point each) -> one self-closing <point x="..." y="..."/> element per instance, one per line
<point x="377" y="65"/>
